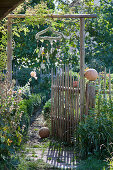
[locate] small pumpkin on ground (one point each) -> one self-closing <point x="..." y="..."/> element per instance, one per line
<point x="44" y="132"/>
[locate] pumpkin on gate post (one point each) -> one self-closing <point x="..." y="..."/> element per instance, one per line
<point x="91" y="74"/>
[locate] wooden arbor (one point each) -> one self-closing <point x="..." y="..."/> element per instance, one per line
<point x="82" y="48"/>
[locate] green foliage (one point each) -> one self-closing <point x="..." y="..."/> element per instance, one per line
<point x="40" y="85"/>
<point x="29" y="106"/>
<point x="26" y="51"/>
<point x="47" y="109"/>
<point x="38" y="164"/>
<point x="98" y="39"/>
<point x="25" y="120"/>
<point x="99" y="49"/>
<point x="3" y="42"/>
<point x="41" y="9"/>
<point x="10" y="117"/>
<point x="92" y="163"/>
<point x="96" y="132"/>
<point x="22" y="75"/>
<point x="25" y="91"/>
<point x="15" y="116"/>
<point x="35" y="100"/>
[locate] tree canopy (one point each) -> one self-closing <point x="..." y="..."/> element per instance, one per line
<point x="98" y="43"/>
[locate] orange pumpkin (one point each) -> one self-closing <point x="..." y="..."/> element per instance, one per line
<point x="75" y="83"/>
<point x="44" y="132"/>
<point x="91" y="74"/>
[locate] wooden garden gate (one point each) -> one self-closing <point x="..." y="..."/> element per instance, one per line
<point x="64" y="104"/>
<point x="65" y="101"/>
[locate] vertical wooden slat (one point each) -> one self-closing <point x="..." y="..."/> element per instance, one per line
<point x="82" y="61"/>
<point x="73" y="103"/>
<point x="65" y="104"/>
<point x="52" y="90"/>
<point x="60" y="105"/>
<point x="78" y="101"/>
<point x="78" y="116"/>
<point x="105" y="83"/>
<point x="57" y="116"/>
<point x="9" y="49"/>
<point x="63" y="116"/>
<point x="68" y="110"/>
<point x="55" y="97"/>
<point x="70" y="106"/>
<point x="53" y="105"/>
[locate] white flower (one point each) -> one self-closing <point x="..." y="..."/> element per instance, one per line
<point x="33" y="74"/>
<point x="42" y="66"/>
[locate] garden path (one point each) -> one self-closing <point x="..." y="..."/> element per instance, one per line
<point x="45" y="149"/>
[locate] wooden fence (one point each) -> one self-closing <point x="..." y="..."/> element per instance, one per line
<point x="65" y="105"/>
<point x="65" y="101"/>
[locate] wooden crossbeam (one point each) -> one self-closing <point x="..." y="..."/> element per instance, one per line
<point x="55" y="16"/>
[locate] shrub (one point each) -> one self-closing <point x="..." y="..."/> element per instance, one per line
<point x="10" y="116"/>
<point x="96" y="132"/>
<point x="14" y="121"/>
<point x="25" y="91"/>
<point x="35" y="99"/>
<point x="29" y="106"/>
<point x="47" y="109"/>
<point x="22" y="75"/>
<point x="25" y="119"/>
<point x="40" y="85"/>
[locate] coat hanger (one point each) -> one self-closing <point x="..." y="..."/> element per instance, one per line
<point x="39" y="37"/>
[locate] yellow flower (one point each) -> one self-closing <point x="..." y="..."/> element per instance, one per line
<point x="5" y="128"/>
<point x="86" y="69"/>
<point x="44" y="61"/>
<point x="43" y="52"/>
<point x="9" y="141"/>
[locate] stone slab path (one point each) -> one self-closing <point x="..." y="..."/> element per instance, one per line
<point x="37" y="148"/>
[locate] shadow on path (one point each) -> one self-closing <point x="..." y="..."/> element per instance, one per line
<point x="61" y="157"/>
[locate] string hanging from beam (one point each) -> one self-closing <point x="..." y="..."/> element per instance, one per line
<point x="58" y="36"/>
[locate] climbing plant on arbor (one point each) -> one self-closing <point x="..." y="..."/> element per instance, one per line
<point x="98" y="40"/>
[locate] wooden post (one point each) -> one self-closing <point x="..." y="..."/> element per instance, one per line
<point x="82" y="61"/>
<point x="90" y="95"/>
<point x="9" y="49"/>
